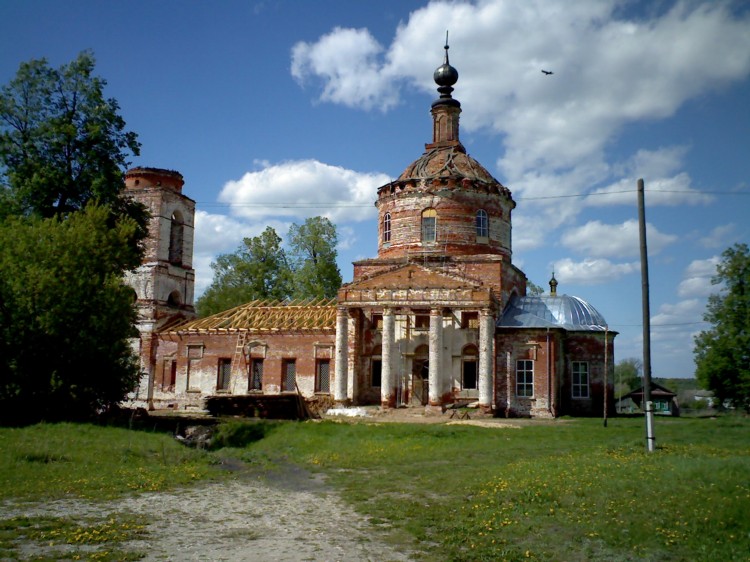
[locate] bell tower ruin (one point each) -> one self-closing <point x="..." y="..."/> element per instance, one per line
<point x="164" y="282"/>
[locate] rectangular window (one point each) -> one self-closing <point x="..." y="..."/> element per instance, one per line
<point x="422" y="322"/>
<point x="525" y="378"/>
<point x="323" y="375"/>
<point x="289" y="374"/>
<point x="580" y="379"/>
<point x="256" y="375"/>
<point x="470" y="320"/>
<point x="225" y="374"/>
<point x="377" y="372"/>
<point x="377" y="321"/>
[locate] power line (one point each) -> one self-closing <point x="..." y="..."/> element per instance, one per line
<point x="334" y="205"/>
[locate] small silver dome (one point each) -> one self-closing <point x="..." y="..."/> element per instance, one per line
<point x="552" y="311"/>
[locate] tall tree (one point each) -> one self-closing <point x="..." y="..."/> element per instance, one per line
<point x="65" y="315"/>
<point x="313" y="256"/>
<point x="257" y="270"/>
<point x="722" y="353"/>
<point x="66" y="238"/>
<point x="62" y="143"/>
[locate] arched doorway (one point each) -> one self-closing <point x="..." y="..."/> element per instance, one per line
<point x="420" y="379"/>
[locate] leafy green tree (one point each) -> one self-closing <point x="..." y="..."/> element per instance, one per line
<point x="722" y="353"/>
<point x="65" y="315"/>
<point x="66" y="238"/>
<point x="62" y="143"/>
<point x="257" y="270"/>
<point x="313" y="258"/>
<point x="628" y="375"/>
<point x="532" y="289"/>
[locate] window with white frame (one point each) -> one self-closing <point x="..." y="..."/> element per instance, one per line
<point x="580" y="379"/>
<point x="525" y="378"/>
<point x="386" y="228"/>
<point x="483" y="224"/>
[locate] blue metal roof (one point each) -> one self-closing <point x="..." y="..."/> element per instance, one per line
<point x="548" y="311"/>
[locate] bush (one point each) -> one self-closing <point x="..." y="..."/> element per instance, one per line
<point x="238" y="434"/>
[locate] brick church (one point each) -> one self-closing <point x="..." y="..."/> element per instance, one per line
<point x="439" y="317"/>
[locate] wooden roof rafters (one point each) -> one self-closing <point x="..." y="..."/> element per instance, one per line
<point x="266" y="316"/>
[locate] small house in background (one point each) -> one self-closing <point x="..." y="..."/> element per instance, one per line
<point x="665" y="401"/>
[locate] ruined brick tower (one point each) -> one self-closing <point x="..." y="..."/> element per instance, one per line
<point x="164" y="282"/>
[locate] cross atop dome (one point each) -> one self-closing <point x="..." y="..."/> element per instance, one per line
<point x="445" y="76"/>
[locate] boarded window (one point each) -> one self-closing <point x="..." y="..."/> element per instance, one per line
<point x="256" y="375"/>
<point x="580" y="385"/>
<point x="225" y="374"/>
<point x="525" y="378"/>
<point x="323" y="376"/>
<point x="289" y="374"/>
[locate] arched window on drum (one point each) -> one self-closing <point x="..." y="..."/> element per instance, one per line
<point x="386" y="228"/>
<point x="483" y="226"/>
<point x="429" y="226"/>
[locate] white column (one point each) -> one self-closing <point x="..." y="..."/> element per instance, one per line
<point x="342" y="355"/>
<point x="436" y="354"/>
<point x="387" y="375"/>
<point x="486" y="352"/>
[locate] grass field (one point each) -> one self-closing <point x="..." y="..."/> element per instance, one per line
<point x="568" y="490"/>
<point x="572" y="490"/>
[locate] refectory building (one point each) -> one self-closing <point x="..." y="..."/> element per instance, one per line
<point x="439" y="317"/>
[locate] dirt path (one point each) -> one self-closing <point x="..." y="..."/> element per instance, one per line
<point x="239" y="520"/>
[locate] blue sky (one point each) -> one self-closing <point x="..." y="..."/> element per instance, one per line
<point x="276" y="111"/>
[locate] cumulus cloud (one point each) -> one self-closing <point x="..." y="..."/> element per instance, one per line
<point x="346" y="60"/>
<point x="697" y="278"/>
<point x="592" y="271"/>
<point x="718" y="237"/>
<point x="303" y="188"/>
<point x="619" y="240"/>
<point x="610" y="69"/>
<point x="613" y="67"/>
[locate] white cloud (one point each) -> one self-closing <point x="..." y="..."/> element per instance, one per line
<point x="612" y="67"/>
<point x="609" y="70"/>
<point x="592" y="271"/>
<point x="304" y="188"/>
<point x="614" y="240"/>
<point x="346" y="60"/>
<point x="697" y="280"/>
<point x="718" y="237"/>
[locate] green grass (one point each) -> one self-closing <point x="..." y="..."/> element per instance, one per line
<point x="568" y="490"/>
<point x="50" y="461"/>
<point x="573" y="490"/>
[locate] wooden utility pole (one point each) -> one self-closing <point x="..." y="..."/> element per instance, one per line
<point x="647" y="404"/>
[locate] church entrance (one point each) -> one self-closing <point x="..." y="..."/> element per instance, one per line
<point x="420" y="378"/>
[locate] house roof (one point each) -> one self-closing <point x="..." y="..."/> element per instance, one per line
<point x="657" y="391"/>
<point x="552" y="311"/>
<point x="266" y="316"/>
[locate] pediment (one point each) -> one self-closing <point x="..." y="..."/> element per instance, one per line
<point x="413" y="276"/>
